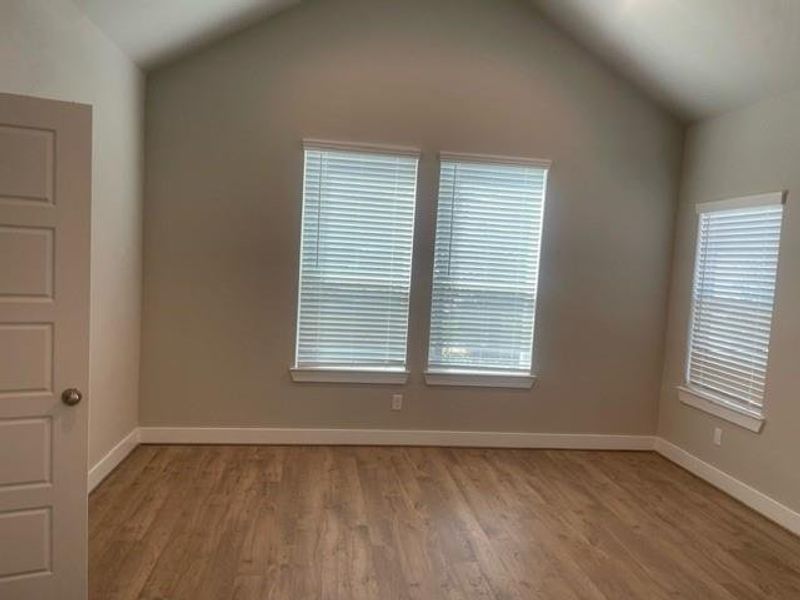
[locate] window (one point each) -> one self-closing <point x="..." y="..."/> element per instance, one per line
<point x="734" y="289"/>
<point x="355" y="264"/>
<point x="486" y="267"/>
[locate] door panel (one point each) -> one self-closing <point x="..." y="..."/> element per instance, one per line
<point x="26" y="542"/>
<point x="26" y="358"/>
<point x="45" y="193"/>
<point x="26" y="261"/>
<point x="28" y="442"/>
<point x="26" y="164"/>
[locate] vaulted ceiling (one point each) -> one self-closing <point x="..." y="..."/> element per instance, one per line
<point x="152" y="32"/>
<point x="697" y="57"/>
<point x="700" y="57"/>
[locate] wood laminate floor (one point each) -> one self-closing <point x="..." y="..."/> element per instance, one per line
<point x="290" y="523"/>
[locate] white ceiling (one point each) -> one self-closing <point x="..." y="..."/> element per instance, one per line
<point x="152" y="32"/>
<point x="699" y="57"/>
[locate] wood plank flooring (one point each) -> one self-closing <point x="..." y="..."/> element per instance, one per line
<point x="290" y="523"/>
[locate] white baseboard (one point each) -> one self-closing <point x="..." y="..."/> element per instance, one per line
<point x="758" y="501"/>
<point x="392" y="437"/>
<point x="115" y="456"/>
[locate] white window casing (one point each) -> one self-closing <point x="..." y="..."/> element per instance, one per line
<point x="733" y="294"/>
<point x="355" y="263"/>
<point x="486" y="266"/>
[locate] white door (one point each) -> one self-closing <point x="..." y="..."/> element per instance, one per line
<point x="45" y="189"/>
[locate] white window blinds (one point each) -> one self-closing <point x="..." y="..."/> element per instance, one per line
<point x="486" y="265"/>
<point x="355" y="264"/>
<point x="734" y="288"/>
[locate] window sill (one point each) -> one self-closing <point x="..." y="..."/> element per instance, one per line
<point x="493" y="380"/>
<point x="312" y="375"/>
<point x="720" y="408"/>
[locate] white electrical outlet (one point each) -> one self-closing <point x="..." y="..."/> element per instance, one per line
<point x="717" y="436"/>
<point x="397" y="401"/>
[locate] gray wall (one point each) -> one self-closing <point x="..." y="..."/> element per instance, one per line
<point x="50" y="49"/>
<point x="753" y="150"/>
<point x="223" y="204"/>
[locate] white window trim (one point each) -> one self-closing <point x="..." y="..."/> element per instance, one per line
<point x="435" y="377"/>
<point x="768" y="199"/>
<point x="471" y="379"/>
<point x="495" y="159"/>
<point x="331" y="375"/>
<point x="315" y="144"/>
<point x="357" y="375"/>
<point x="719" y="407"/>
<point x="701" y="399"/>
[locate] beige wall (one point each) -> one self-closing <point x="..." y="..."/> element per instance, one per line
<point x="752" y="150"/>
<point x="49" y="49"/>
<point x="223" y="203"/>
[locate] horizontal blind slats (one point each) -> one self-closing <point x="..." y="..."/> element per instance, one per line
<point x="733" y="297"/>
<point x="355" y="266"/>
<point x="486" y="262"/>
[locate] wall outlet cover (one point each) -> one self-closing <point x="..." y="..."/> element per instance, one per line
<point x="717" y="436"/>
<point x="397" y="401"/>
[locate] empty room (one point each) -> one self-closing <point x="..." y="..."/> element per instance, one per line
<point x="399" y="299"/>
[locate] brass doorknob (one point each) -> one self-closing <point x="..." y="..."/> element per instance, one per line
<point x="71" y="396"/>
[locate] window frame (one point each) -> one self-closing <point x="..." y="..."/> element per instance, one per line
<point x="465" y="377"/>
<point x="354" y="374"/>
<point x="698" y="397"/>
